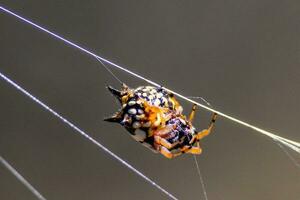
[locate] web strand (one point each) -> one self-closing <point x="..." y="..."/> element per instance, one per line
<point x="84" y="134"/>
<point x="195" y="158"/>
<point x="200" y="178"/>
<point x="107" y="69"/>
<point x="294" y="161"/>
<point x="289" y="143"/>
<point x="21" y="179"/>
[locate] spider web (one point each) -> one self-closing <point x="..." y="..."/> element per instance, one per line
<point x="292" y="145"/>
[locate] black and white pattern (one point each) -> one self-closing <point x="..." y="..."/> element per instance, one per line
<point x="155" y="96"/>
<point x="134" y="118"/>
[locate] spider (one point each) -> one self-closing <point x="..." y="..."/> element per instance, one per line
<point x="154" y="118"/>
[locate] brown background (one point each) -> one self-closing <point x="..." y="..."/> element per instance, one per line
<point x="242" y="56"/>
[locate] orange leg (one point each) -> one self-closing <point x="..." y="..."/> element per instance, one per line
<point x="163" y="150"/>
<point x="162" y="141"/>
<point x="167" y="153"/>
<point x="192" y="114"/>
<point x="205" y="132"/>
<point x="195" y="149"/>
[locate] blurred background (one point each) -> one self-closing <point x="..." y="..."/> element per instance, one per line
<point x="242" y="56"/>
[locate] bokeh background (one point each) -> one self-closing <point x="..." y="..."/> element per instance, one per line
<point x="242" y="56"/>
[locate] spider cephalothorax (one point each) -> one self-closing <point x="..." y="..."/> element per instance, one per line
<point x="154" y="118"/>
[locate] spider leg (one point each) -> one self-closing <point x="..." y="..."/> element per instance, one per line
<point x="164" y="131"/>
<point x="205" y="132"/>
<point x="194" y="149"/>
<point x="162" y="145"/>
<point x="192" y="114"/>
<point x="176" y="153"/>
<point x="175" y="104"/>
<point x="162" y="141"/>
<point x="161" y="134"/>
<point x="156" y="115"/>
<point x="163" y="150"/>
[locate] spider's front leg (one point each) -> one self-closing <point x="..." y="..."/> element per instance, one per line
<point x="205" y="132"/>
<point x="193" y="112"/>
